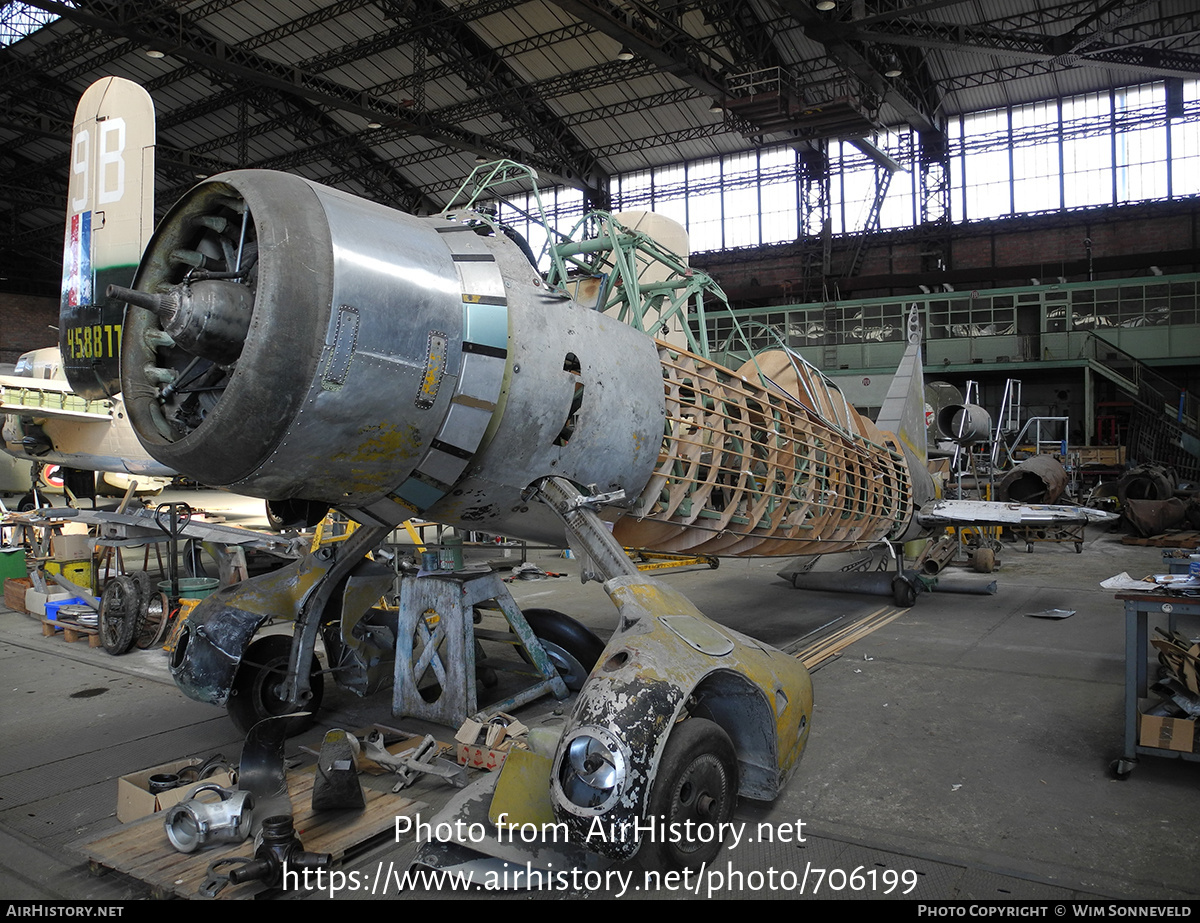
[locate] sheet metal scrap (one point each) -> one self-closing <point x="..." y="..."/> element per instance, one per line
<point x="261" y="770"/>
<point x="421" y="759"/>
<point x="1051" y="614"/>
<point x="336" y="786"/>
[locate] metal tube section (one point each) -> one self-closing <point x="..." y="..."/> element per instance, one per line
<point x="966" y="424"/>
<point x="604" y="243"/>
<point x="1040" y="479"/>
<point x="140" y="299"/>
<point x="876" y="583"/>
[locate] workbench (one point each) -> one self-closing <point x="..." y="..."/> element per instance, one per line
<point x="1138" y="609"/>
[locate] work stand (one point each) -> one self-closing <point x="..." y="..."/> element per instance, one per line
<point x="1138" y="609"/>
<point x="436" y="645"/>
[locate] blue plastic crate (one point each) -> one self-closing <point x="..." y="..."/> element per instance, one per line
<point x="53" y="607"/>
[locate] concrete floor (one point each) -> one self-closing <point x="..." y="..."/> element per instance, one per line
<point x="963" y="743"/>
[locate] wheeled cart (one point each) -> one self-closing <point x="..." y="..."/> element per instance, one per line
<point x="1065" y="534"/>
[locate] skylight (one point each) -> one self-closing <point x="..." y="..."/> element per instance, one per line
<point x="18" y="20"/>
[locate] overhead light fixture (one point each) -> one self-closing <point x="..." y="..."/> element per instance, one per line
<point x="154" y="53"/>
<point x="479" y="158"/>
<point x="374" y="125"/>
<point x="826" y="5"/>
<point x="715" y="107"/>
<point x="893" y="67"/>
<point x="624" y="54"/>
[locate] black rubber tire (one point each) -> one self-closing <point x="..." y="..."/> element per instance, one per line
<point x="697" y="780"/>
<point x="120" y="614"/>
<point x="904" y="594"/>
<point x="252" y="696"/>
<point x="572" y="647"/>
<point x="27" y="505"/>
<point x="146" y="590"/>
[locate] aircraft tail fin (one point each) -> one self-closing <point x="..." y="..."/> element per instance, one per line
<point x="903" y="410"/>
<point x="110" y="215"/>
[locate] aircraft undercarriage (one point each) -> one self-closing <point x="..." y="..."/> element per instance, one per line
<point x="668" y="673"/>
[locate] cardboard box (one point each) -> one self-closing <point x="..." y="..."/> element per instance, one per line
<point x="485" y="745"/>
<point x="70" y="547"/>
<point x="482" y="757"/>
<point x="1167" y="733"/>
<point x="133" y="791"/>
<point x="35" y="602"/>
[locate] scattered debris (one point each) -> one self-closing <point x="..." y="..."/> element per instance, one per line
<point x="421" y="759"/>
<point x="225" y="816"/>
<point x="529" y="571"/>
<point x="336" y="786"/>
<point x="1123" y="581"/>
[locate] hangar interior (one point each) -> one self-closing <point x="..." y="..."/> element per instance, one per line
<point x="1022" y="172"/>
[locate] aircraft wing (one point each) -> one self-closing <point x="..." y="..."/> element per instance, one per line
<point x="991" y="513"/>
<point x="49" y="398"/>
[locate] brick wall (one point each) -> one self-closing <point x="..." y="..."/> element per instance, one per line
<point x="25" y="322"/>
<point x="1125" y="243"/>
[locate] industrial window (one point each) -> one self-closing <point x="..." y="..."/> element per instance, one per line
<point x="18" y="20"/>
<point x="1131" y="144"/>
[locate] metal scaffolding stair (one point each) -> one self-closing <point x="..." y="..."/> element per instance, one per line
<point x="1164" y="425"/>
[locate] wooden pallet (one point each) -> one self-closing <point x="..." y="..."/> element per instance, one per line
<point x="142" y="851"/>
<point x="70" y="631"/>
<point x="1166" y="540"/>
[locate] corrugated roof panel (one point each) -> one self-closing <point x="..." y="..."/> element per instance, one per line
<point x="631" y="115"/>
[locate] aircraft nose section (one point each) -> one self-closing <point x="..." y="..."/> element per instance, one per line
<point x="232" y="302"/>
